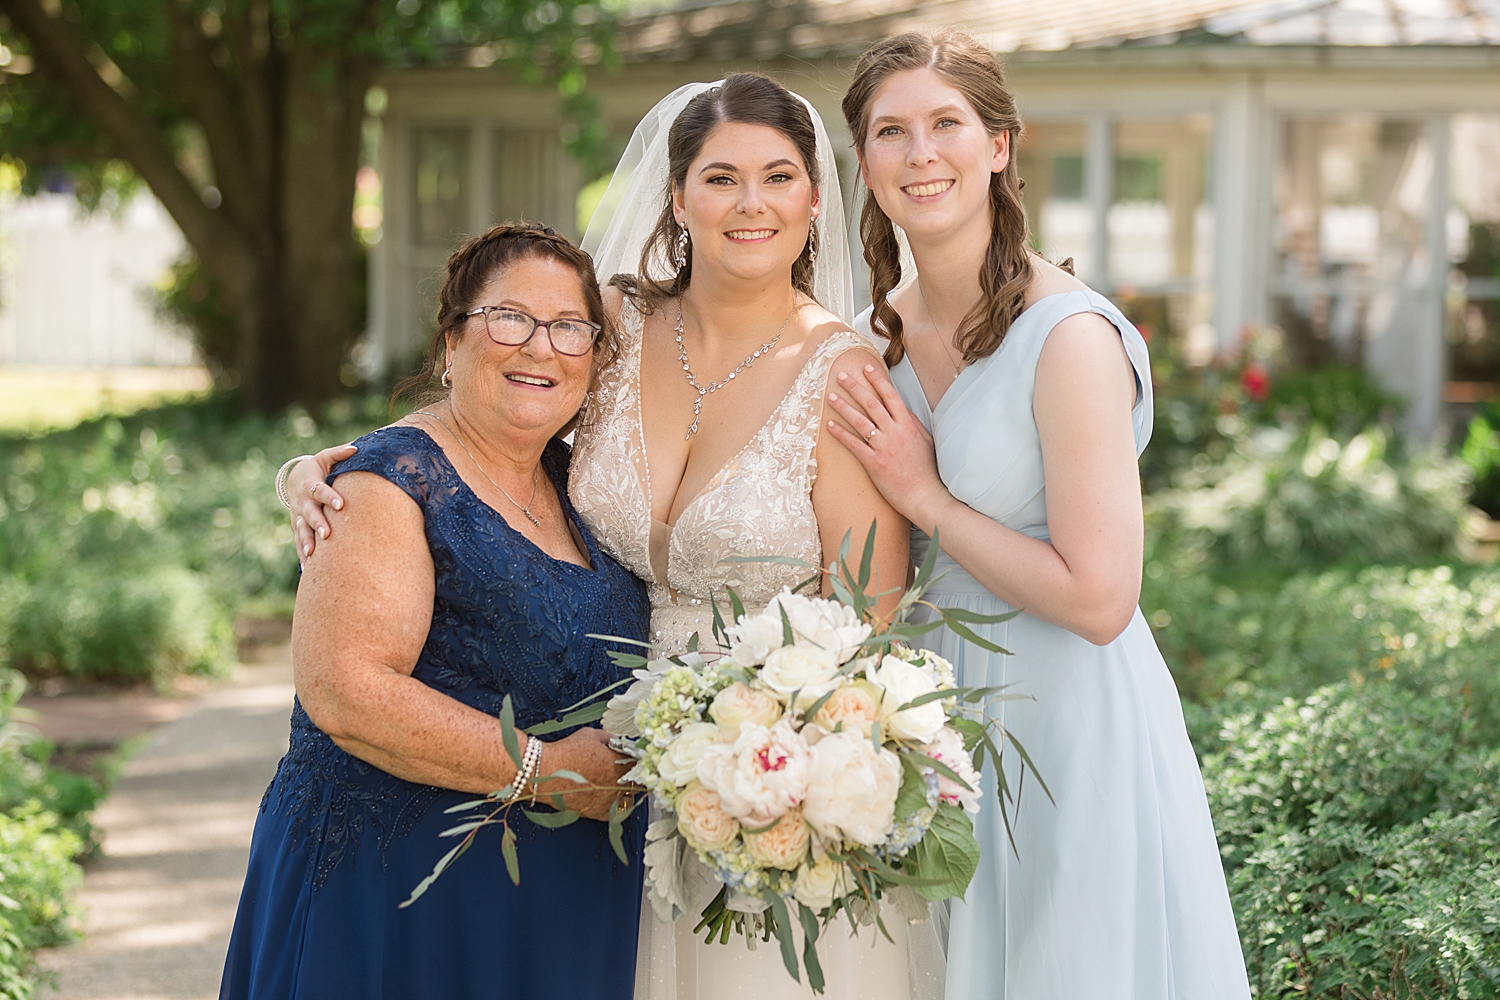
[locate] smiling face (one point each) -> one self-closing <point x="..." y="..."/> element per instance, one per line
<point x="927" y="157"/>
<point x="747" y="202"/>
<point x="531" y="387"/>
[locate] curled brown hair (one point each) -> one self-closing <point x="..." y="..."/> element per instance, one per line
<point x="473" y="265"/>
<point x="743" y="98"/>
<point x="974" y="71"/>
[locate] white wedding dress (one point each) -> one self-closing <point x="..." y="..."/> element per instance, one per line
<point x="759" y="503"/>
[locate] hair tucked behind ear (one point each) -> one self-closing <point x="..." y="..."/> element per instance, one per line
<point x="1007" y="270"/>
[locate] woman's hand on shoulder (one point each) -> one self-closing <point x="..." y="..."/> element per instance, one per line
<point x="875" y="427"/>
<point x="310" y="493"/>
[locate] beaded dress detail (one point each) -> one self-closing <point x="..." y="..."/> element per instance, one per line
<point x="758" y="504"/>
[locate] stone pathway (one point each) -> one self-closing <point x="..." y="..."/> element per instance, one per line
<point x="160" y="904"/>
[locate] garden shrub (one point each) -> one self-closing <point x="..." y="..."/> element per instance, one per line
<point x="129" y="542"/>
<point x="1481" y="453"/>
<point x="1307" y="501"/>
<point x="38" y="875"/>
<point x="1419" y="629"/>
<point x="1359" y="830"/>
<point x="1346" y="912"/>
<point x="149" y="625"/>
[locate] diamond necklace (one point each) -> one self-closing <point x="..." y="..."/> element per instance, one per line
<point x="534" y="472"/>
<point x="704" y="390"/>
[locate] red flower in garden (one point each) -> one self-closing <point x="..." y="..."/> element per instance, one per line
<point x="1256" y="382"/>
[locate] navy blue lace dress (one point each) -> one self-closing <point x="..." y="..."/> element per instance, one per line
<point x="340" y="843"/>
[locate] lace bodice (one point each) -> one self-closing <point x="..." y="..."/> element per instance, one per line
<point x="758" y="504"/>
<point x="507" y="619"/>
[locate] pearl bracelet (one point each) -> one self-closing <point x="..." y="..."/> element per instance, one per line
<point x="281" y="475"/>
<point x="531" y="761"/>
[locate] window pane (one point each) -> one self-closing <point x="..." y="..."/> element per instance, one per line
<point x="1051" y="160"/>
<point x="1352" y="199"/>
<point x="1473" y="231"/>
<point x="536" y="180"/>
<point x="441" y="172"/>
<point x="1161" y="228"/>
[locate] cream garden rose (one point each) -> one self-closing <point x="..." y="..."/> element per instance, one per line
<point x="853" y="707"/>
<point x="782" y="846"/>
<point x="819" y="884"/>
<point x="851" y="789"/>
<point x="759" y="777"/>
<point x="679" y="764"/>
<point x="902" y="682"/>
<point x="740" y="703"/>
<point x="807" y="672"/>
<point x="702" y="820"/>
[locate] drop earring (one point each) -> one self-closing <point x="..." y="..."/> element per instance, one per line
<point x="683" y="242"/>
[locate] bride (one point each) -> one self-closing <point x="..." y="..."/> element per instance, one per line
<point x="704" y="442"/>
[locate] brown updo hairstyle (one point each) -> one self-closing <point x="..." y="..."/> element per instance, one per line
<point x="473" y="265"/>
<point x="743" y="98"/>
<point x="973" y="70"/>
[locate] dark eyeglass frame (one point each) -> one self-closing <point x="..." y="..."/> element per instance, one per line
<point x="536" y="324"/>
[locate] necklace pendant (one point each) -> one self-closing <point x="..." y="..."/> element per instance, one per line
<point x="532" y="517"/>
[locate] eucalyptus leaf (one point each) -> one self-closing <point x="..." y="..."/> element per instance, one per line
<point x="508" y="731"/>
<point x="552" y="820"/>
<point x="508" y="849"/>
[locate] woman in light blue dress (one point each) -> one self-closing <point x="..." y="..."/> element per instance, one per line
<point x="1018" y="403"/>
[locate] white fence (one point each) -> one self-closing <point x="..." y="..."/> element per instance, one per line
<point x="76" y="290"/>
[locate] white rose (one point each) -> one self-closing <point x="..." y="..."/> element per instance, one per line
<point x="702" y="820"/>
<point x="851" y="789"/>
<point x="761" y="776"/>
<point x="948" y="748"/>
<point x="902" y="683"/>
<point x="680" y="763"/>
<point x="740" y="703"/>
<point x="784" y="845"/>
<point x="806" y="669"/>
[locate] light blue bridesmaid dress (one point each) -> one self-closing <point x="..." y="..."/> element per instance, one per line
<point x="1116" y="891"/>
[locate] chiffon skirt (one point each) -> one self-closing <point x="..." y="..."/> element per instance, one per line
<point x="1114" y="889"/>
<point x="568" y="930"/>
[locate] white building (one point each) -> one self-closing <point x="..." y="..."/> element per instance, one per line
<point x="1328" y="166"/>
<point x="76" y="289"/>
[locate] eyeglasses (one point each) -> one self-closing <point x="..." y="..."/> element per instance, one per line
<point x="512" y="328"/>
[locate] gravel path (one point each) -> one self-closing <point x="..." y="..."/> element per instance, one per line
<point x="160" y="904"/>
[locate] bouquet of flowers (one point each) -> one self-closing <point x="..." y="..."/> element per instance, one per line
<point x="819" y="766"/>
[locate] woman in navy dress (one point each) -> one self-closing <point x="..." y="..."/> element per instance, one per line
<point x="459" y="575"/>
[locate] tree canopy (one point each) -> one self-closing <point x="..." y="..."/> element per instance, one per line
<point x="244" y="118"/>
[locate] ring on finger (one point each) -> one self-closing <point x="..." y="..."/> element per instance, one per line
<point x="873" y="432"/>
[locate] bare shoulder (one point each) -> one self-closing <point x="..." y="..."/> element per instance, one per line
<point x="1049" y="279"/>
<point x="614" y="299"/>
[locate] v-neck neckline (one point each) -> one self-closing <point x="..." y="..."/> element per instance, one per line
<point x="709" y="483"/>
<point x="934" y="410"/>
<point x="590" y="547"/>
